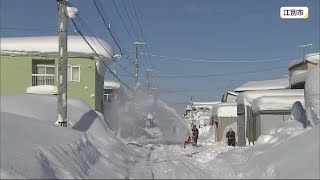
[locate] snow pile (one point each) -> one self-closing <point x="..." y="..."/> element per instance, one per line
<point x="281" y="155"/>
<point x="275" y="103"/>
<point x="42" y="89"/>
<point x="44" y="108"/>
<point x="207" y="133"/>
<point x="224" y="110"/>
<point x="312" y="96"/>
<point x="298" y="76"/>
<point x="41" y="149"/>
<point x="246" y="98"/>
<point x="264" y="85"/>
<point x="111" y="84"/>
<point x="312" y="58"/>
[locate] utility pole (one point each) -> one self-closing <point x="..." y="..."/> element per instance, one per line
<point x="304" y="46"/>
<point x="148" y="81"/>
<point x="62" y="65"/>
<point x="136" y="63"/>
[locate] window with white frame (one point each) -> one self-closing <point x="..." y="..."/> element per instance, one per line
<point x="45" y="69"/>
<point x="73" y="73"/>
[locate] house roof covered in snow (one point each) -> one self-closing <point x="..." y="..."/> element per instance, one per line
<point x="224" y="110"/>
<point x="233" y="93"/>
<point x="246" y="98"/>
<point x="298" y="76"/>
<point x="275" y="103"/>
<point x="311" y="58"/>
<point x="264" y="85"/>
<point x="49" y="46"/>
<point x="111" y="84"/>
<point x="205" y="104"/>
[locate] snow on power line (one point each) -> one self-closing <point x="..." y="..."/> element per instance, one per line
<point x="208" y="61"/>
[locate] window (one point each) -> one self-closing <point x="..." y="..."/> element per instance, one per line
<point x="73" y="73"/>
<point x="44" y="75"/>
<point x="45" y="69"/>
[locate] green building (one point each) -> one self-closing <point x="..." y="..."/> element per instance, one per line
<point x="32" y="61"/>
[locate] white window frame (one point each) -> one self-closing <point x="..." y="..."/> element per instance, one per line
<point x="71" y="76"/>
<point x="71" y="79"/>
<point x="45" y="67"/>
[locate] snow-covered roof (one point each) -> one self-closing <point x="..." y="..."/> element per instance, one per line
<point x="264" y="85"/>
<point x="275" y="103"/>
<point x="298" y="76"/>
<point x="42" y="89"/>
<point x="49" y="45"/>
<point x="204" y="104"/>
<point x="233" y="93"/>
<point x="246" y="98"/>
<point x="224" y="110"/>
<point x="312" y="58"/>
<point x="111" y="84"/>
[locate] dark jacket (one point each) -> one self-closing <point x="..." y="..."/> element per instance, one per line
<point x="231" y="135"/>
<point x="195" y="133"/>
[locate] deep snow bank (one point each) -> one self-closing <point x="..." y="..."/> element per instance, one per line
<point x="312" y="96"/>
<point x="32" y="146"/>
<point x="284" y="154"/>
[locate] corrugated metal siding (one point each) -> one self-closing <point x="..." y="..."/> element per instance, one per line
<point x="223" y="122"/>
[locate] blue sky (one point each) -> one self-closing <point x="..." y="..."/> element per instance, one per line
<point x="199" y="29"/>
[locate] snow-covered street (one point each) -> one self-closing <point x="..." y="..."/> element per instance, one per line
<point x="176" y="162"/>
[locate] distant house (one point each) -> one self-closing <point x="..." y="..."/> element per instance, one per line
<point x="244" y="108"/>
<point x="32" y="61"/>
<point x="198" y="113"/>
<point x="273" y="84"/>
<point x="229" y="97"/>
<point x="311" y="60"/>
<point x="298" y="70"/>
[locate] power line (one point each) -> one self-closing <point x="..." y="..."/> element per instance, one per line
<point x="218" y="75"/>
<point x="105" y="23"/>
<point x="82" y="22"/>
<point x="78" y="30"/>
<point x="122" y="20"/>
<point x="221" y="74"/>
<point x="208" y="61"/>
<point x="125" y="8"/>
<point x="143" y="37"/>
<point x="132" y="26"/>
<point x="124" y="68"/>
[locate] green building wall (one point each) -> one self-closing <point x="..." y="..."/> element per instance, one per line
<point x="16" y="77"/>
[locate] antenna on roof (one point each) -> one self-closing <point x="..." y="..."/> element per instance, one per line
<point x="304" y="46"/>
